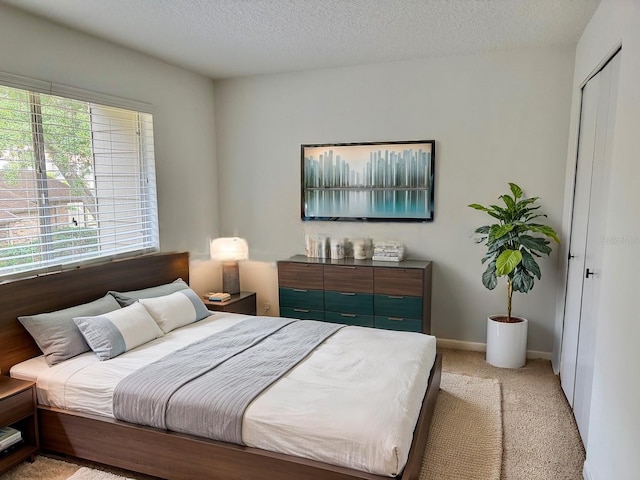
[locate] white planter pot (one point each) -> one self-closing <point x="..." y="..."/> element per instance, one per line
<point x="507" y="342"/>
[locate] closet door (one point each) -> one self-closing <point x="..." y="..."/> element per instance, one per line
<point x="578" y="242"/>
<point x="586" y="244"/>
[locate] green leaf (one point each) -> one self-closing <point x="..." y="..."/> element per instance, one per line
<point x="507" y="261"/>
<point x="484" y="229"/>
<point x="492" y="232"/>
<point x="497" y="246"/>
<point x="509" y="202"/>
<point x="494" y="249"/>
<point x="526" y="211"/>
<point x="533" y="243"/>
<point x="499" y="210"/>
<point x="516" y="190"/>
<point x="544" y="230"/>
<point x="488" y="257"/>
<point x="501" y="231"/>
<point x="489" y="278"/>
<point x="490" y="211"/>
<point x="526" y="201"/>
<point x="529" y="216"/>
<point x="529" y="263"/>
<point x="522" y="281"/>
<point x="477" y="206"/>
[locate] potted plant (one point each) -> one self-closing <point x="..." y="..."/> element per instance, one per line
<point x="513" y="243"/>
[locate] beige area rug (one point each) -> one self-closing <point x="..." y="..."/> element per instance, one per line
<point x="46" y="468"/>
<point x="43" y="468"/>
<point x="465" y="442"/>
<point x="86" y="473"/>
<point x="540" y="436"/>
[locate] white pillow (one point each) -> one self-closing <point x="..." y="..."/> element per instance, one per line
<point x="176" y="310"/>
<point x="119" y="331"/>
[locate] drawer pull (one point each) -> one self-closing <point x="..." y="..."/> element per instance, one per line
<point x="395" y="297"/>
<point x="300" y="290"/>
<point x="395" y="319"/>
<point x="348" y="294"/>
<point x="300" y="310"/>
<point x="351" y="315"/>
<point x="348" y="267"/>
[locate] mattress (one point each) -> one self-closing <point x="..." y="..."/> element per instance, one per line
<point x="353" y="402"/>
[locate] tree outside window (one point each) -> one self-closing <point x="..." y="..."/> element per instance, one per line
<point x="76" y="180"/>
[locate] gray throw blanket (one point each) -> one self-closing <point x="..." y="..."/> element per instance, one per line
<point x="205" y="388"/>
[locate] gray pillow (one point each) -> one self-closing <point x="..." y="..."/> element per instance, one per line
<point x="56" y="333"/>
<point x="128" y="298"/>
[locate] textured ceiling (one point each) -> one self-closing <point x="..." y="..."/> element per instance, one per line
<point x="227" y="38"/>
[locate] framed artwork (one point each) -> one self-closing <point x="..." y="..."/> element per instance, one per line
<point x="375" y="181"/>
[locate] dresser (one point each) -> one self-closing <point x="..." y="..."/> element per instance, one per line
<point x="389" y="295"/>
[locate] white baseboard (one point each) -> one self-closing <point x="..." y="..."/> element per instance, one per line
<point x="533" y="354"/>
<point x="482" y="347"/>
<point x="586" y="471"/>
<point x="461" y="345"/>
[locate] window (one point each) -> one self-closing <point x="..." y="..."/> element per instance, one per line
<point x="77" y="181"/>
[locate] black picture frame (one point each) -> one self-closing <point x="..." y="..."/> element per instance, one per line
<point x="368" y="181"/>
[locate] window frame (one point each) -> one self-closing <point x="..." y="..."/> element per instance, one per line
<point x="30" y="85"/>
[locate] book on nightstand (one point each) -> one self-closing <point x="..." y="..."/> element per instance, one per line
<point x="8" y="437"/>
<point x="217" y="297"/>
<point x="9" y="450"/>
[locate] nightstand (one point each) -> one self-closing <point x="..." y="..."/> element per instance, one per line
<point x="243" y="302"/>
<point x="18" y="410"/>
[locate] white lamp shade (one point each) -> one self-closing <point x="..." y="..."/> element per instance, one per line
<point x="229" y="249"/>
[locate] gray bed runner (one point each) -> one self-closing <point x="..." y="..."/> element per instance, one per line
<point x="205" y="388"/>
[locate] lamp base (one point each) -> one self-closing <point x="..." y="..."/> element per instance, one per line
<point x="230" y="278"/>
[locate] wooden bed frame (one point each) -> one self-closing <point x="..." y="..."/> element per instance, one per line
<point x="142" y="449"/>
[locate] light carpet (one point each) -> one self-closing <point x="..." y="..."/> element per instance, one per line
<point x="465" y="441"/>
<point x="540" y="436"/>
<point x="86" y="473"/>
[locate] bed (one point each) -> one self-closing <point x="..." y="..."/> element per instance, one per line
<point x="96" y="436"/>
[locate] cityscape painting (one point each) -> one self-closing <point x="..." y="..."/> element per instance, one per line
<point x="368" y="181"/>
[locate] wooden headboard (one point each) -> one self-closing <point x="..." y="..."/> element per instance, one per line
<point x="55" y="291"/>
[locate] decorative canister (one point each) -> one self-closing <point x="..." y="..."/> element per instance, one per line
<point x="337" y="250"/>
<point x="359" y="249"/>
<point x="368" y="247"/>
<point x="323" y="247"/>
<point x="348" y="248"/>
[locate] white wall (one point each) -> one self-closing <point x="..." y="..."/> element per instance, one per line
<point x="183" y="108"/>
<point x="495" y="118"/>
<point x="614" y="428"/>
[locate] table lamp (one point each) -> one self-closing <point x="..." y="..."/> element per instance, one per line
<point x="229" y="251"/>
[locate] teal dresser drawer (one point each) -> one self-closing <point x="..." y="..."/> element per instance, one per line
<point x="302" y="313"/>
<point x="388" y="295"/>
<point x="398" y="323"/>
<point x="303" y="298"/>
<point x="349" y="319"/>
<point x="360" y="303"/>
<point x="398" y="306"/>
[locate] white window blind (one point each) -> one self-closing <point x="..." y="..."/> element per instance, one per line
<point x="77" y="181"/>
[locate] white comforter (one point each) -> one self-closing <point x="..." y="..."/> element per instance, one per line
<point x="353" y="402"/>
